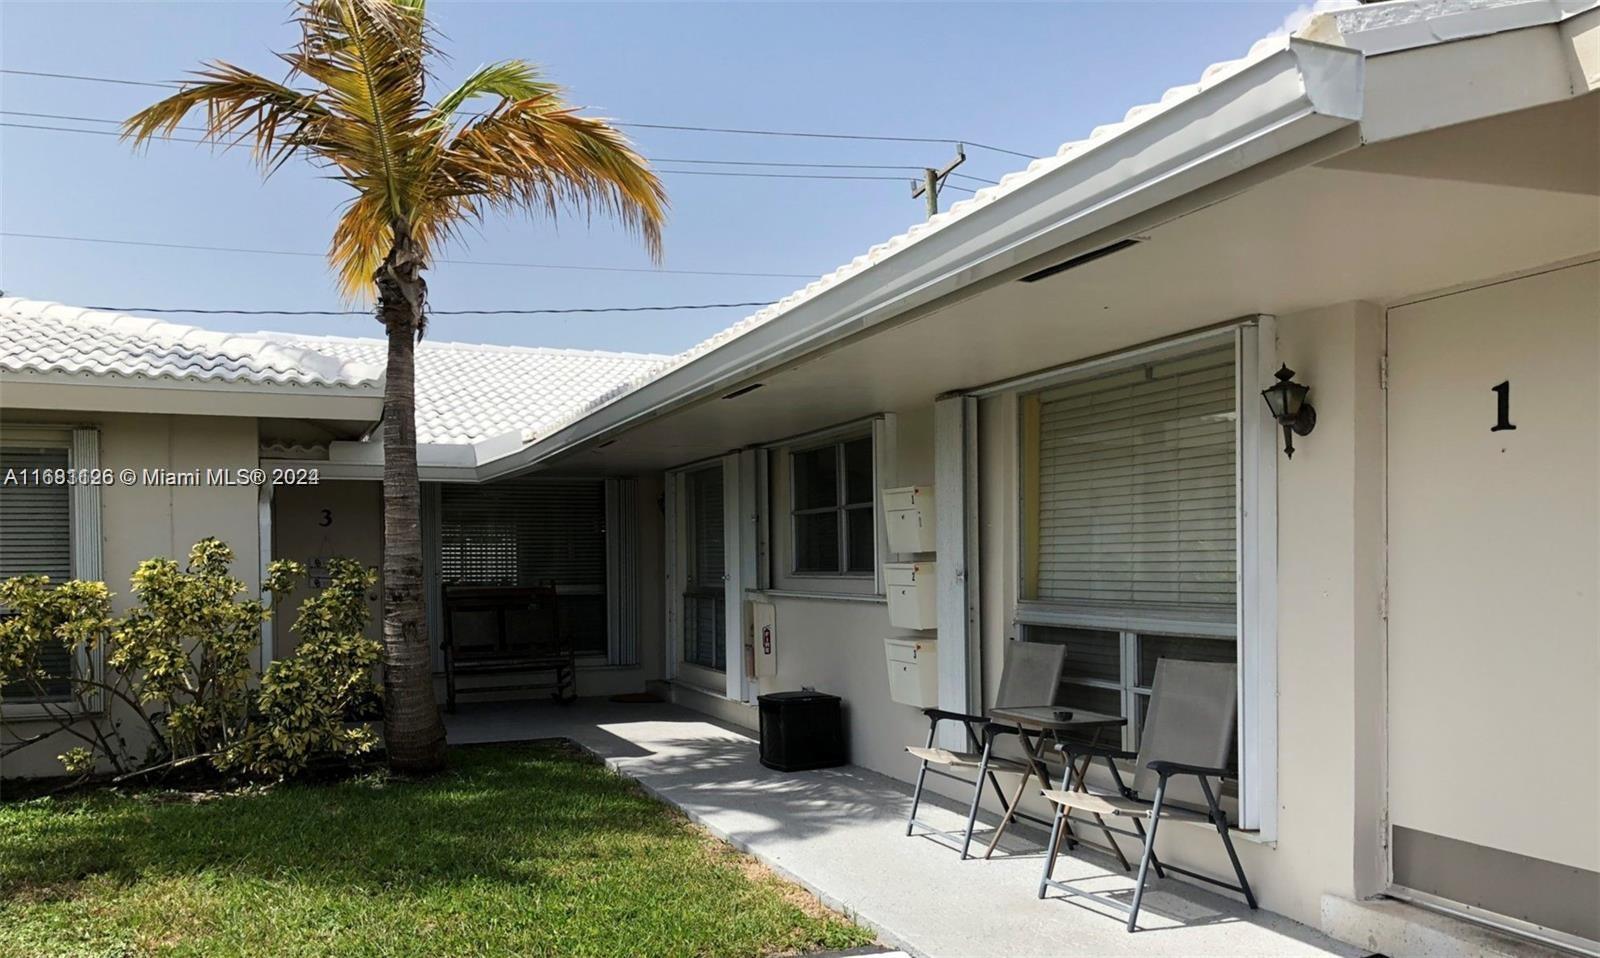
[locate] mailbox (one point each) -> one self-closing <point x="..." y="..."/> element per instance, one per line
<point x="913" y="671"/>
<point x="913" y="594"/>
<point x="908" y="514"/>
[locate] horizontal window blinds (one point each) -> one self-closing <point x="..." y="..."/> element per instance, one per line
<point x="523" y="532"/>
<point x="704" y="606"/>
<point x="1136" y="491"/>
<point x="36" y="539"/>
<point x="35" y="518"/>
<point x="706" y="566"/>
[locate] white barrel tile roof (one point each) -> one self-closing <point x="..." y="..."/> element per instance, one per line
<point x="468" y="392"/>
<point x="43" y="337"/>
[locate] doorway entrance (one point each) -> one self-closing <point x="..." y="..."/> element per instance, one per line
<point x="1494" y="620"/>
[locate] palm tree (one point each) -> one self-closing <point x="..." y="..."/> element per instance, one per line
<point x="354" y="102"/>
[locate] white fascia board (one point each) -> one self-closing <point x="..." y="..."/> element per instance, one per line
<point x="1452" y="83"/>
<point x="352" y="459"/>
<point x="1380" y="28"/>
<point x="327" y="469"/>
<point x="500" y="445"/>
<point x="1580" y="36"/>
<point x="1282" y="101"/>
<point x="86" y="393"/>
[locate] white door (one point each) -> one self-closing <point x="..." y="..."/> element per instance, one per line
<point x="1494" y="622"/>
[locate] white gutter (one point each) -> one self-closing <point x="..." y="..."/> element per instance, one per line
<point x="1282" y="101"/>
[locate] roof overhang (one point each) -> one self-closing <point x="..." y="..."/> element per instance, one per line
<point x="82" y="392"/>
<point x="1281" y="102"/>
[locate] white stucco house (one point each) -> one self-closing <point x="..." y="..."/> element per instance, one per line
<point x="1401" y="202"/>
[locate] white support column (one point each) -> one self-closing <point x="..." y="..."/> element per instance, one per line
<point x="87" y="542"/>
<point x="746" y="572"/>
<point x="955" y="476"/>
<point x="264" y="562"/>
<point x="1258" y="580"/>
<point x="735" y="506"/>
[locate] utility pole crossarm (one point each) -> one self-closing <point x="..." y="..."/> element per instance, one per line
<point x="933" y="179"/>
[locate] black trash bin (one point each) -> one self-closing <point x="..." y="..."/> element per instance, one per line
<point x="801" y="730"/>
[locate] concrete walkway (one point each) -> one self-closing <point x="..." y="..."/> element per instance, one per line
<point x="841" y="834"/>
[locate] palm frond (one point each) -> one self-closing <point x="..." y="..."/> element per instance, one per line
<point x="361" y="240"/>
<point x="418" y="173"/>
<point x="368" y="57"/>
<point x="538" y="154"/>
<point x="240" y="106"/>
<point x="508" y="80"/>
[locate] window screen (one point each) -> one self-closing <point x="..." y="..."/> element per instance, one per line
<point x="1135" y="487"/>
<point x="532" y="532"/>
<point x="36" y="539"/>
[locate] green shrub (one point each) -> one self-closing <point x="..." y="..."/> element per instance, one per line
<point x="179" y="664"/>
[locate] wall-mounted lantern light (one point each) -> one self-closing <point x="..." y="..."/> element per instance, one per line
<point x="1287" y="400"/>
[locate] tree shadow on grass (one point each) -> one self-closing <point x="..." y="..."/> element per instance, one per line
<point x="512" y="814"/>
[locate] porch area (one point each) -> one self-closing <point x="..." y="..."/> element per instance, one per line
<point x="841" y="834"/>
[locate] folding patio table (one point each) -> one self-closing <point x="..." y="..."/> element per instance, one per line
<point x="1034" y="724"/>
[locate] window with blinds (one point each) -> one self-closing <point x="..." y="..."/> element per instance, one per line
<point x="532" y="532"/>
<point x="1132" y="488"/>
<point x="36" y="539"/>
<point x="704" y="599"/>
<point x="832" y="491"/>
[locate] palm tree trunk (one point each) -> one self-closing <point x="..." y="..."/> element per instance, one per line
<point x="413" y="733"/>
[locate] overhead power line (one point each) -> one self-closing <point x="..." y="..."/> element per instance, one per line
<point x="79" y="76"/>
<point x="831" y="136"/>
<point x="809" y="134"/>
<point x="455" y="262"/>
<point x="776" y="176"/>
<point x="695" y="161"/>
<point x="216" y="311"/>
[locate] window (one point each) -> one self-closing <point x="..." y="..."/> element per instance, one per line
<point x="1134" y="492"/>
<point x="1130" y="511"/>
<point x="49" y="527"/>
<point x="705" y="610"/>
<point x="1112" y="672"/>
<point x="532" y="533"/>
<point x="833" y="518"/>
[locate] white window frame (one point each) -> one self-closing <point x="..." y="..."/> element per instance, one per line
<point x="841" y="510"/>
<point x="83" y="453"/>
<point x="1253" y="623"/>
<point x="776" y="544"/>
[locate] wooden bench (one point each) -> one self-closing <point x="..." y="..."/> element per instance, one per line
<point x="507" y="631"/>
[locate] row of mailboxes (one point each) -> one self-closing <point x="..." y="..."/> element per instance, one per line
<point x="912" y="590"/>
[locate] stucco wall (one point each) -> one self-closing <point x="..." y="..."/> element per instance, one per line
<point x="1329" y="644"/>
<point x="334" y="518"/>
<point x="1330" y="632"/>
<point x="836" y="644"/>
<point x="139" y="521"/>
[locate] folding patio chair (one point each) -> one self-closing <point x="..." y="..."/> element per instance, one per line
<point x="1188" y="732"/>
<point x="1031" y="675"/>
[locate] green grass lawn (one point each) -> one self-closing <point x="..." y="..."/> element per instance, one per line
<point x="516" y="851"/>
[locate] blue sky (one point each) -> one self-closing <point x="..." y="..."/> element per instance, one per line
<point x="1021" y="76"/>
